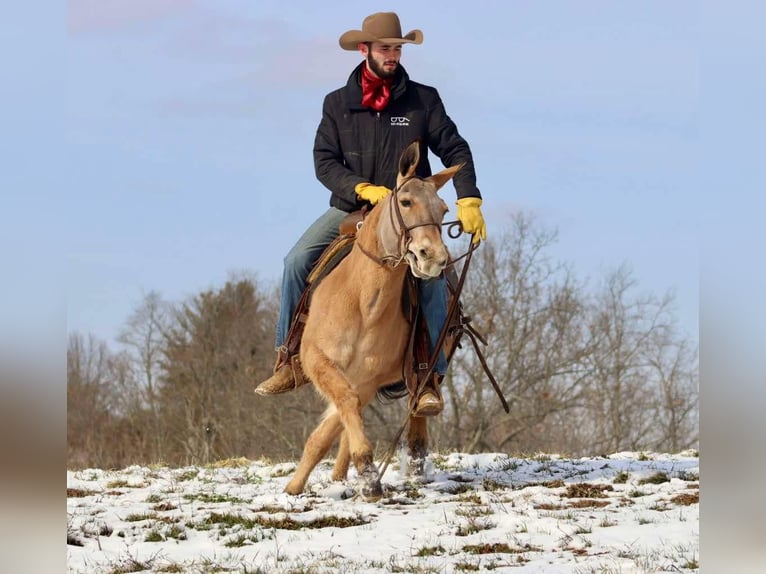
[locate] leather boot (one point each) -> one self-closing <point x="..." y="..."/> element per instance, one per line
<point x="280" y="382"/>
<point x="287" y="376"/>
<point x="430" y="402"/>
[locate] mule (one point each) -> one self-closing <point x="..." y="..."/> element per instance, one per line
<point x="356" y="334"/>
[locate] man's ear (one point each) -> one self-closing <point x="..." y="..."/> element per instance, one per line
<point x="362" y="48"/>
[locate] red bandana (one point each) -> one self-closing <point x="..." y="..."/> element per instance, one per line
<point x="375" y="91"/>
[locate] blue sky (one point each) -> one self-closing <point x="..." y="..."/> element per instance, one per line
<point x="190" y="124"/>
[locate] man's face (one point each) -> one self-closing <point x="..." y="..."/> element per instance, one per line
<point x="382" y="59"/>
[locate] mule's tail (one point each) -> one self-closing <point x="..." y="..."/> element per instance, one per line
<point x="393" y="391"/>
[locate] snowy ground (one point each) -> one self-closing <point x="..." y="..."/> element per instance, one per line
<point x="628" y="512"/>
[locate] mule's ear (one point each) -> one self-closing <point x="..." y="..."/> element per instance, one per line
<point x="408" y="162"/>
<point x="439" y="179"/>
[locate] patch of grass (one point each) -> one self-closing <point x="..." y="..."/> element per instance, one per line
<point x="72" y="540"/>
<point x="496" y="548"/>
<point x="119" y="483"/>
<point x="213" y="498"/>
<point x="470" y="498"/>
<point x="588" y="503"/>
<point x="230" y="463"/>
<point x="285" y="470"/>
<point x="585" y="490"/>
<point x="621" y="477"/>
<point x="138" y="517"/>
<point x="643" y="457"/>
<point x="176" y="532"/>
<point x="153" y="536"/>
<point x="686" y="499"/>
<point x="474" y="511"/>
<point x="430" y="551"/>
<point x="507" y="465"/>
<point x="558" y="483"/>
<point x="472" y="526"/>
<point x="412" y="492"/>
<point x="492" y="485"/>
<point x="467" y="567"/>
<point x="549" y="506"/>
<point x="240" y="541"/>
<point x="171" y="568"/>
<point x="635" y="493"/>
<point x="153" y="498"/>
<point x="287" y="523"/>
<point x="130" y="564"/>
<point x="692" y="564"/>
<point x="642" y="520"/>
<point x="457" y="488"/>
<point x="190" y="474"/>
<point x="460" y="478"/>
<point x="606" y="523"/>
<point x="164" y="507"/>
<point x="656" y="478"/>
<point x="79" y="492"/>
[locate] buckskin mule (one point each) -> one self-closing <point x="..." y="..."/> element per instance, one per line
<point x="356" y="333"/>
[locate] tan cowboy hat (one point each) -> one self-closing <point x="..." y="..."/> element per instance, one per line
<point x="383" y="27"/>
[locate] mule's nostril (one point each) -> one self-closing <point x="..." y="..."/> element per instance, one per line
<point x="423" y="253"/>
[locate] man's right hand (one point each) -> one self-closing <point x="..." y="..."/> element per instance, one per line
<point x="371" y="193"/>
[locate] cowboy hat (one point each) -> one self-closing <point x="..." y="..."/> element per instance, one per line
<point x="383" y="27"/>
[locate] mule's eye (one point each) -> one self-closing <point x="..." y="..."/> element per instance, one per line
<point x="405" y="203"/>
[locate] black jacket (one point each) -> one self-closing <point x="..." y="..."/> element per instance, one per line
<point x="356" y="144"/>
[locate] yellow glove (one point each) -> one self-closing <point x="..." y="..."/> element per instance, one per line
<point x="470" y="217"/>
<point x="371" y="193"/>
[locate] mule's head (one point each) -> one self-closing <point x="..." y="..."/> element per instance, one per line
<point x="417" y="214"/>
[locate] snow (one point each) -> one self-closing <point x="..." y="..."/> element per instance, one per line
<point x="627" y="512"/>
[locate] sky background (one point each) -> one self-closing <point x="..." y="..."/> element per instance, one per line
<point x="189" y="128"/>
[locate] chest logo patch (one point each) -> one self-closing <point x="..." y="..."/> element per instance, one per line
<point x="400" y="121"/>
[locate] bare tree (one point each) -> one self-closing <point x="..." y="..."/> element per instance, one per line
<point x="88" y="400"/>
<point x="530" y="310"/>
<point x="143" y="336"/>
<point x="219" y="346"/>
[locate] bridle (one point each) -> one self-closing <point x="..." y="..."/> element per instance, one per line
<point x="405" y="238"/>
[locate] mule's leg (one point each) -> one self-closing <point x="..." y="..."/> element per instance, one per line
<point x="316" y="447"/>
<point x="340" y="472"/>
<point x="332" y="383"/>
<point x="417" y="445"/>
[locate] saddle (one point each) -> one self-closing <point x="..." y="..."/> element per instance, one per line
<point x="416" y="363"/>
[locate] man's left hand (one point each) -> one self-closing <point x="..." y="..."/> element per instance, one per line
<point x="470" y="217"/>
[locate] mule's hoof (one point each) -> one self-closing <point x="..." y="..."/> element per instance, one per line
<point x="372" y="491"/>
<point x="429" y="404"/>
<point x="416" y="468"/>
<point x="294" y="489"/>
<point x="370" y="487"/>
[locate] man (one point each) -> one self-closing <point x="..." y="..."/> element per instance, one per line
<point x="364" y="128"/>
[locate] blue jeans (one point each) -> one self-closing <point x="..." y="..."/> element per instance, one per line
<point x="301" y="258"/>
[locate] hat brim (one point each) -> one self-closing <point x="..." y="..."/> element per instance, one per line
<point x="351" y="39"/>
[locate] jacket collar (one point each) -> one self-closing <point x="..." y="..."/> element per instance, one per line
<point x="353" y="90"/>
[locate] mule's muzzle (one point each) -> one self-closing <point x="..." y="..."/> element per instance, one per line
<point x="424" y="266"/>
